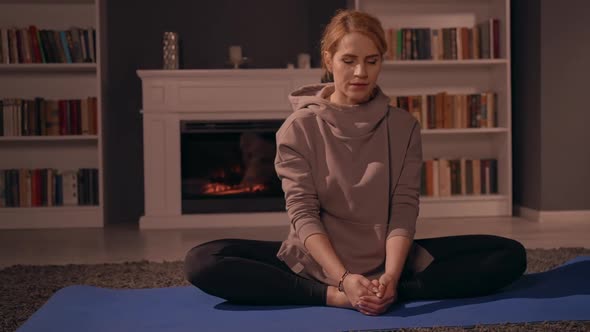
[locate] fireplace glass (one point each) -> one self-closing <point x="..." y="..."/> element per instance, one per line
<point x="228" y="166"/>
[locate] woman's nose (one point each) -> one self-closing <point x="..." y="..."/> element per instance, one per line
<point x="360" y="70"/>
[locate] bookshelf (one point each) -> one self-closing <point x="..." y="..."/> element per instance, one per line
<point x="72" y="150"/>
<point x="455" y="77"/>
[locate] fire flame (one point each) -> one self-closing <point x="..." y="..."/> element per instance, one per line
<point x="218" y="186"/>
<point x="224" y="189"/>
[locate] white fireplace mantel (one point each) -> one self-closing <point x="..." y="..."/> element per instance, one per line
<point x="170" y="96"/>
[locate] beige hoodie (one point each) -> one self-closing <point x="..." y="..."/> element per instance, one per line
<point x="351" y="173"/>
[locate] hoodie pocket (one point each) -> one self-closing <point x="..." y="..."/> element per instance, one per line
<point x="360" y="246"/>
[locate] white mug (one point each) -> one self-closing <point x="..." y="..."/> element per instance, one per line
<point x="235" y="55"/>
<point x="303" y="61"/>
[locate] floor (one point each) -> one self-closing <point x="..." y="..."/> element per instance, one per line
<point x="116" y="244"/>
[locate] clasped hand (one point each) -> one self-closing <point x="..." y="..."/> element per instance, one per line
<point x="370" y="297"/>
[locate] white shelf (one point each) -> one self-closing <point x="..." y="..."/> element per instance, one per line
<point x="46" y="2"/>
<point x="458" y="198"/>
<point x="465" y="206"/>
<point x="48" y="138"/>
<point x="63" y="208"/>
<point x="50" y="217"/>
<point x="443" y="63"/>
<point x="48" y="68"/>
<point x="474" y="131"/>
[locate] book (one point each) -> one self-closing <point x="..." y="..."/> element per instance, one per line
<point x="69" y="187"/>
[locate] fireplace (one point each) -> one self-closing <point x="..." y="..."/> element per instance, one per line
<point x="228" y="166"/>
<point x="208" y="144"/>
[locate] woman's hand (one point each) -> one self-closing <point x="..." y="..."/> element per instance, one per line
<point x="355" y="286"/>
<point x="384" y="296"/>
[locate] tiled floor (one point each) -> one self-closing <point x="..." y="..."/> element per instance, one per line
<point x="128" y="243"/>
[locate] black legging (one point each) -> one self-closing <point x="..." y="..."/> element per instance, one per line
<point x="248" y="271"/>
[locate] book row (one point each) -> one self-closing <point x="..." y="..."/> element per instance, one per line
<point x="48" y="187"/>
<point x="41" y="117"/>
<point x="449" y="177"/>
<point x="33" y="45"/>
<point x="443" y="110"/>
<point x="482" y="41"/>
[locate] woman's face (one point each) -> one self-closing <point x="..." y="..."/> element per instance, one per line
<point x="355" y="66"/>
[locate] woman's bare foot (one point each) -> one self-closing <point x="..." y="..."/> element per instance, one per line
<point x="336" y="298"/>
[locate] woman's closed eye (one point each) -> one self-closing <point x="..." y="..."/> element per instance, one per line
<point x="349" y="62"/>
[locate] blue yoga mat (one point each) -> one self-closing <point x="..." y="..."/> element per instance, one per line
<point x="560" y="294"/>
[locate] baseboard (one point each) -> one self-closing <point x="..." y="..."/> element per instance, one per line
<point x="581" y="215"/>
<point x="550" y="216"/>
<point x="526" y="213"/>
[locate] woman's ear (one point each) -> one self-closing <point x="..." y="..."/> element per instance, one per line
<point x="328" y="60"/>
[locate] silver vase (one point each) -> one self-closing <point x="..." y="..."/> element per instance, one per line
<point x="170" y="50"/>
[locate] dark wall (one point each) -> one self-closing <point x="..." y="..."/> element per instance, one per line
<point x="565" y="63"/>
<point x="550" y="109"/>
<point x="271" y="33"/>
<point x="526" y="108"/>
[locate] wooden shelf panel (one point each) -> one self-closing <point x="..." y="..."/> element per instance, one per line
<point x="50" y="217"/>
<point x="456" y="198"/>
<point x="443" y="63"/>
<point x="46" y="2"/>
<point x="466" y="206"/>
<point x="52" y="68"/>
<point x="68" y="138"/>
<point x="473" y="131"/>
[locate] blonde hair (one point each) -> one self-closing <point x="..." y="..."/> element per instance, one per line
<point x="347" y="21"/>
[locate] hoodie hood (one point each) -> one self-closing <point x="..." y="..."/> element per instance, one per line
<point x="346" y="121"/>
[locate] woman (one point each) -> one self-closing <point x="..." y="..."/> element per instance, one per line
<point x="350" y="168"/>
